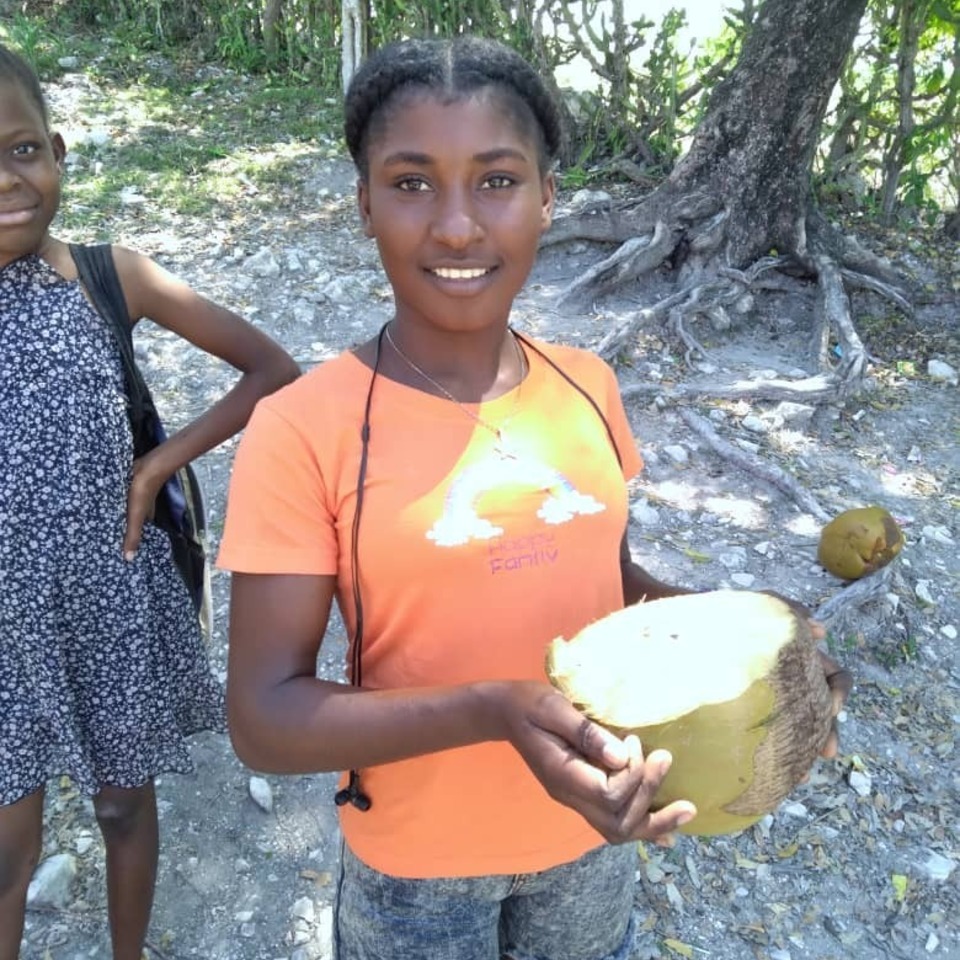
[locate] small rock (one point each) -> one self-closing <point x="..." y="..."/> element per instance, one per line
<point x="262" y="794"/>
<point x="644" y="514"/>
<point x="938" y="532"/>
<point x="949" y="631"/>
<point x="932" y="944"/>
<point x="745" y="580"/>
<point x="303" y="910"/>
<point x="590" y="198"/>
<point x="795" y="414"/>
<point x="677" y="453"/>
<point x="922" y="590"/>
<point x="68" y="63"/>
<point x="83" y="843"/>
<point x="939" y="867"/>
<point x="262" y="264"/>
<point x="244" y="916"/>
<point x="914" y="456"/>
<point x="734" y="559"/>
<point x="861" y="783"/>
<point x="762" y="548"/>
<point x="796" y="810"/>
<point x="938" y="370"/>
<point x="248" y="930"/>
<point x="50" y="886"/>
<point x="893" y="602"/>
<point x="754" y="424"/>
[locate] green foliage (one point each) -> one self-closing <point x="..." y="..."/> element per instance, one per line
<point x="36" y="41"/>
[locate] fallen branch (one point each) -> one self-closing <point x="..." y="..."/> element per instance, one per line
<point x="754" y="465"/>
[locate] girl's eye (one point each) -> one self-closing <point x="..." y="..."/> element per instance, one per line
<point x="498" y="181"/>
<point x="25" y="149"/>
<point x="412" y="184"/>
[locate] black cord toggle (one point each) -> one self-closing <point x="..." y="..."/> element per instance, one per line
<point x="352" y="794"/>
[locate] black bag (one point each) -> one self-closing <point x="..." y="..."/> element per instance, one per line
<point x="179" y="509"/>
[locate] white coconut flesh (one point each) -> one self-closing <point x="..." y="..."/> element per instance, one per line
<point x="654" y="662"/>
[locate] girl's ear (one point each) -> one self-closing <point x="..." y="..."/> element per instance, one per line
<point x="549" y="196"/>
<point x="59" y="150"/>
<point x="363" y="205"/>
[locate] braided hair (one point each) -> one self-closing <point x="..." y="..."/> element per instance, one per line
<point x="451" y="69"/>
<point x="14" y="69"/>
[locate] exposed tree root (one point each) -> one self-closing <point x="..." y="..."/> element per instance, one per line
<point x="754" y="465"/>
<point x="690" y="230"/>
<point x="635" y="257"/>
<point x="855" y="595"/>
<point x="812" y="390"/>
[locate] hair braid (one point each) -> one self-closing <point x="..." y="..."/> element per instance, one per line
<point x="451" y="69"/>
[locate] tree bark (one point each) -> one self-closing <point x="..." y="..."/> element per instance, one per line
<point x="756" y="143"/>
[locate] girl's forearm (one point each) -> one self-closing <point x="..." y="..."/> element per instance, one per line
<point x="306" y="725"/>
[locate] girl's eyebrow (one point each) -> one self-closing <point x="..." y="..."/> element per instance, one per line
<point x="414" y="158"/>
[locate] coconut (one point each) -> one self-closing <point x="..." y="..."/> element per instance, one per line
<point x="859" y="541"/>
<point x="728" y="681"/>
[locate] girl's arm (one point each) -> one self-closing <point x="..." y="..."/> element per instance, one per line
<point x="283" y="719"/>
<point x="154" y="293"/>
<point x="638" y="585"/>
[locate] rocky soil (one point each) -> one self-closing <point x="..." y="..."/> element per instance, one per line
<point x="860" y="862"/>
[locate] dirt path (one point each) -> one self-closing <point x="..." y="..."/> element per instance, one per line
<point x="859" y="863"/>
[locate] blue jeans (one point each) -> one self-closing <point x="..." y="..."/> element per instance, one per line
<point x="577" y="911"/>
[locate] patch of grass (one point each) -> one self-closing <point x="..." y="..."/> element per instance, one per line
<point x="36" y="42"/>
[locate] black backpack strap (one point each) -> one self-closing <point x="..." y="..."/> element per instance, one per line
<point x="98" y="274"/>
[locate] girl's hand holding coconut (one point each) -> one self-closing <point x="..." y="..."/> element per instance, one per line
<point x="606" y="779"/>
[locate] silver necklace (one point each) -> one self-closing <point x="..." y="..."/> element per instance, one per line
<point x="500" y="446"/>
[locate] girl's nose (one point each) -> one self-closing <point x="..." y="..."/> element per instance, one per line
<point x="8" y="179"/>
<point x="456" y="224"/>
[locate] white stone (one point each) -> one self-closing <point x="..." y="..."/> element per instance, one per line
<point x="51" y="883"/>
<point x="937" y="532"/>
<point x="939" y="867"/>
<point x="793" y="413"/>
<point x="68" y="63"/>
<point x="763" y="548"/>
<point x="861" y="783"/>
<point x="261" y="793"/>
<point x="922" y="590"/>
<point x="893" y="602"/>
<point x="796" y="809"/>
<point x="932" y="944"/>
<point x="244" y="916"/>
<point x="938" y="370"/>
<point x="304" y="910"/>
<point x="734" y="559"/>
<point x="949" y="631"/>
<point x="262" y="264"/>
<point x="754" y="424"/>
<point x="644" y="514"/>
<point x="677" y="453"/>
<point x="83" y="843"/>
<point x="745" y="580"/>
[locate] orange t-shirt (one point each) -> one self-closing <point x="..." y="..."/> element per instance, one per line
<point x="470" y="563"/>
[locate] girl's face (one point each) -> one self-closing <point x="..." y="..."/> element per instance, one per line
<point x="455" y="199"/>
<point x="30" y="160"/>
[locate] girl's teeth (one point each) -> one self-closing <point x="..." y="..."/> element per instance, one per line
<point x="449" y="273"/>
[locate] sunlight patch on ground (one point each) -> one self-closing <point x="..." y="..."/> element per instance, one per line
<point x="747" y="514"/>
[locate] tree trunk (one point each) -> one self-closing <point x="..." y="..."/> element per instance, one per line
<point x="756" y="143"/>
<point x="741" y="201"/>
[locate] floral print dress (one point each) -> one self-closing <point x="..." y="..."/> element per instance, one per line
<point x="103" y="671"/>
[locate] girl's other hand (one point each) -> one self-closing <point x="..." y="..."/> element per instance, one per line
<point x="606" y="780"/>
